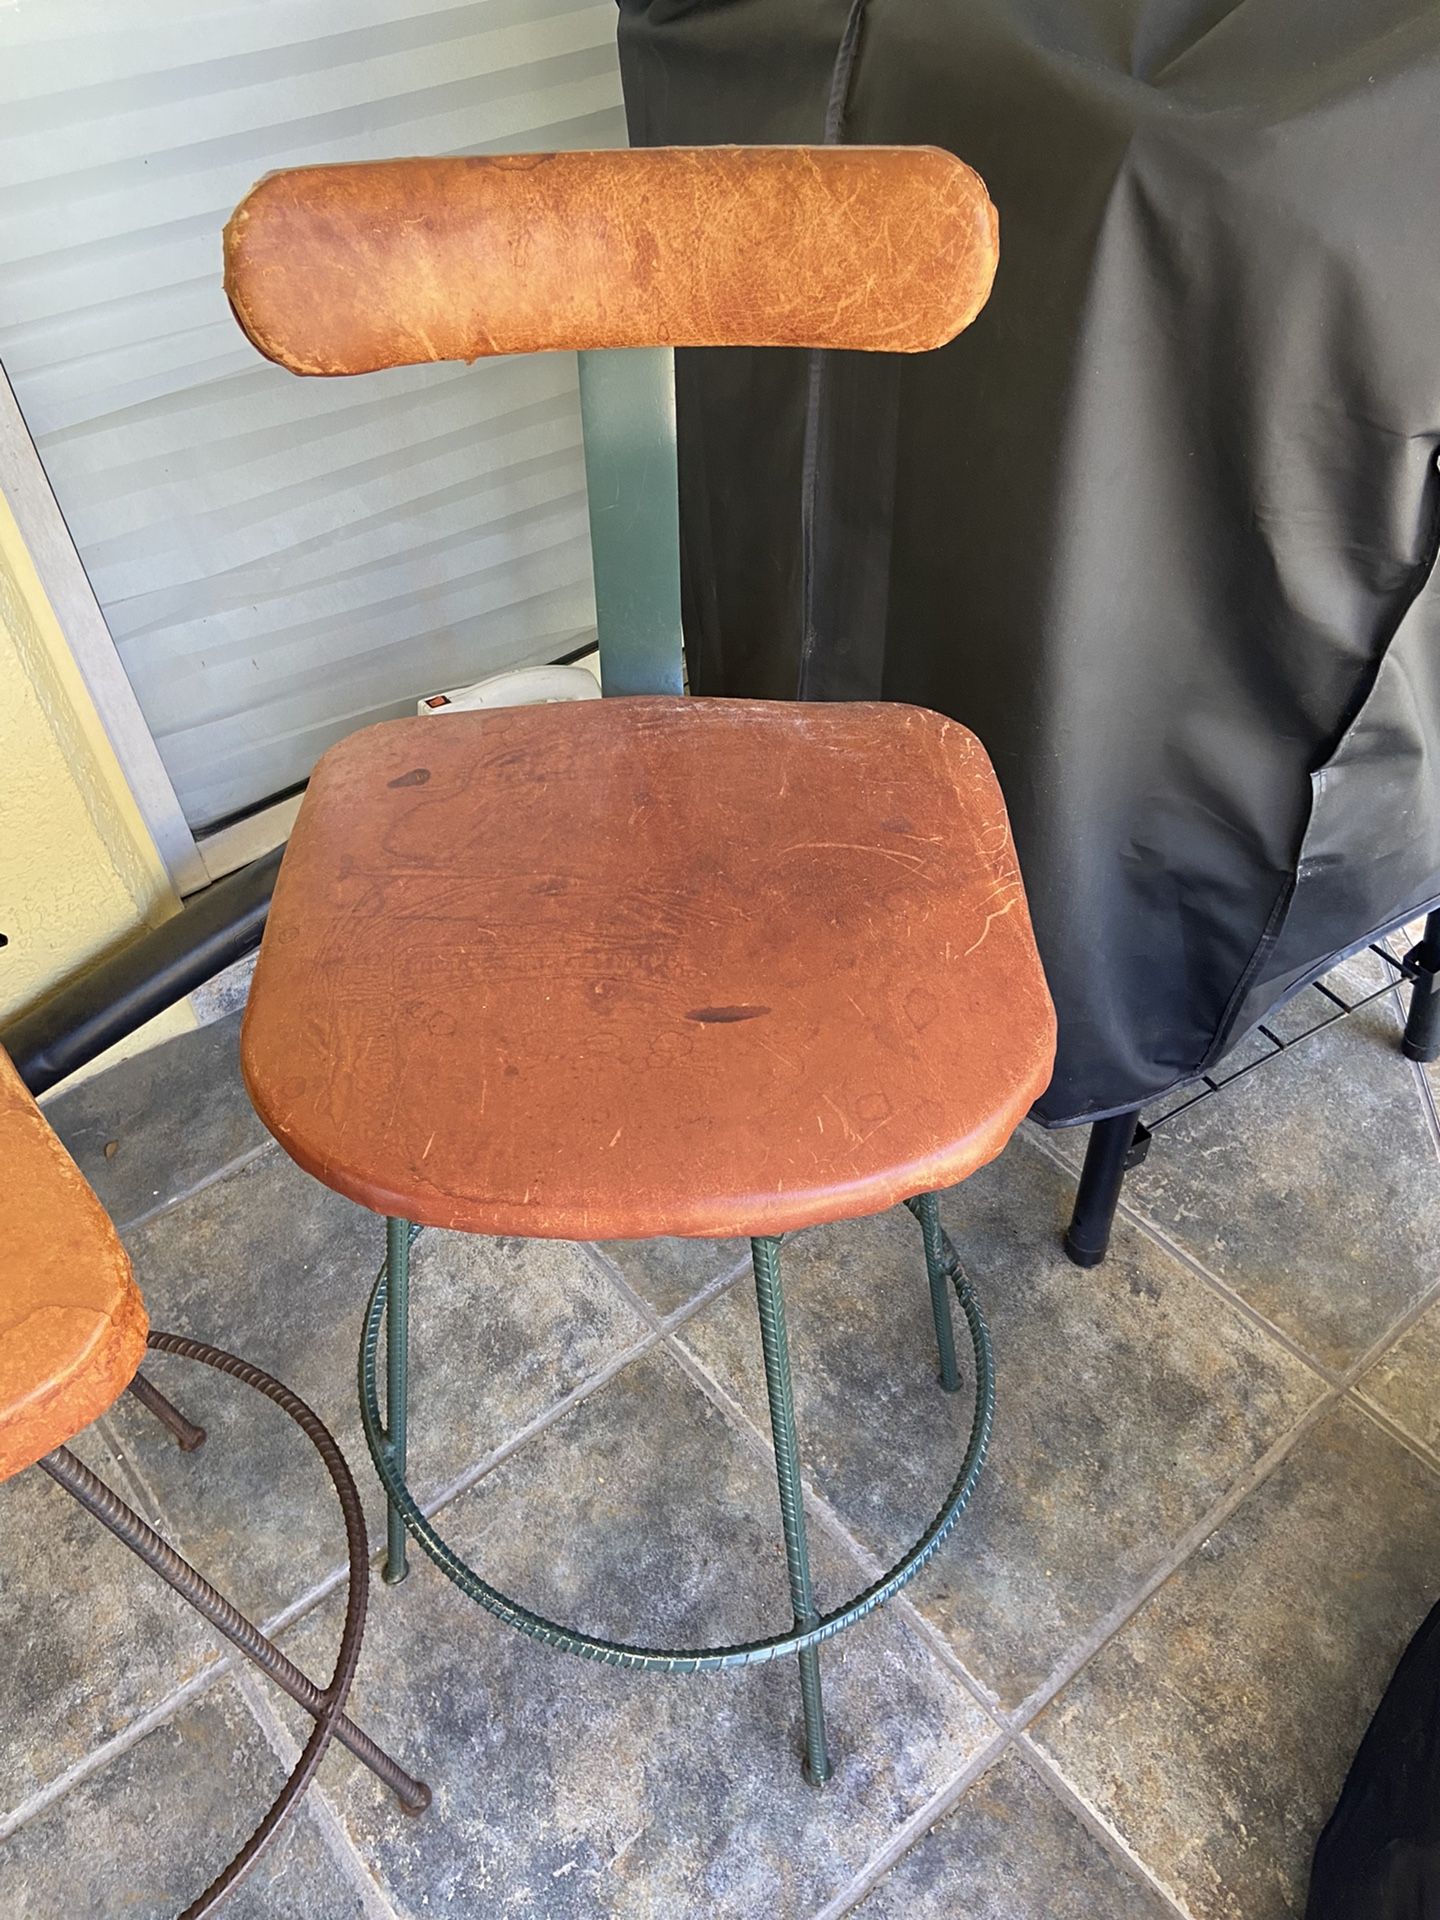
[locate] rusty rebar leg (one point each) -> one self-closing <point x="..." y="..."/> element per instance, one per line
<point x="111" y="1511"/>
<point x="189" y="1436"/>
<point x="325" y="1705"/>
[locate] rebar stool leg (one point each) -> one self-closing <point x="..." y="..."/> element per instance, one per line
<point x="397" y="1381"/>
<point x="808" y="1629"/>
<point x="188" y="1436"/>
<point x="1087" y="1239"/>
<point x="926" y="1209"/>
<point x="122" y="1520"/>
<point x="325" y="1705"/>
<point x="1422" y="1023"/>
<point x="765" y="1254"/>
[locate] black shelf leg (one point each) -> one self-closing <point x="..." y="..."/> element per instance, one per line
<point x="1422" y="1026"/>
<point x="1107" y="1156"/>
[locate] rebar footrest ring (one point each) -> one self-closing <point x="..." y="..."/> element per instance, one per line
<point x="338" y="1690"/>
<point x="619" y="1653"/>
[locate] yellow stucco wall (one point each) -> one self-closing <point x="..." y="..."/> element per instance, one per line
<point x="79" y="873"/>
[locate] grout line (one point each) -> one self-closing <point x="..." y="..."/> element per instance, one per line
<point x="1133" y="1211"/>
<point x="712" y="1290"/>
<point x="1392" y="1335"/>
<point x="304" y="1603"/>
<point x="203" y="1185"/>
<point x="915" y="1828"/>
<point x="129" y="1736"/>
<point x="633" y="1298"/>
<point x="1343" y="1378"/>
<point x="677" y="1316"/>
<point x="1134" y="1216"/>
<point x="940" y="1648"/>
<point x="1095" y="1823"/>
<point x="314" y="1801"/>
<point x="870" y="1566"/>
<point x="1236" y="1301"/>
<point x="1333" y="1389"/>
<point x="551" y="1415"/>
<point x="274" y="1624"/>
<point x="1215" y="1516"/>
<point x="1427" y="1102"/>
<point x="1388" y="1424"/>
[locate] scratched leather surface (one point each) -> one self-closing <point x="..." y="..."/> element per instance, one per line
<point x="634" y="967"/>
<point x="346" y="269"/>
<point x="72" y="1324"/>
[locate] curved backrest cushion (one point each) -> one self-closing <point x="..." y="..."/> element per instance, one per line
<point x="72" y="1323"/>
<point x="346" y="269"/>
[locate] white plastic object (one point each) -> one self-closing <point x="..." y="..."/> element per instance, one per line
<point x="520" y="687"/>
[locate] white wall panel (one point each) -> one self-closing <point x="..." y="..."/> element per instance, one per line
<point x="282" y="560"/>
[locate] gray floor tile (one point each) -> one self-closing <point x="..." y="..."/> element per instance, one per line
<point x="158" y="1124"/>
<point x="1431" y="1071"/>
<point x="1011" y="1851"/>
<point x="226" y="992"/>
<point x="1312" y="1187"/>
<point x="145" y="1836"/>
<point x="667" y="1274"/>
<point x="568" y="1788"/>
<point x="1405" y="1382"/>
<point x="1215" y="1730"/>
<point x="276" y="1268"/>
<point x="92" y="1639"/>
<point x="1128" y="1399"/>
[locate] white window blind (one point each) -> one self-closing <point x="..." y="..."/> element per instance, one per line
<point x="282" y="560"/>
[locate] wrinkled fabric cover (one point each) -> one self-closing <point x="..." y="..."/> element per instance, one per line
<point x="1162" y="527"/>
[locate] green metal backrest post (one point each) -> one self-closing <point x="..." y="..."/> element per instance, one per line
<point x="627" y="414"/>
<point x="618" y="256"/>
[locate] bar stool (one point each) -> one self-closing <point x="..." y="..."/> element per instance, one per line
<point x="74" y="1331"/>
<point x="652" y="966"/>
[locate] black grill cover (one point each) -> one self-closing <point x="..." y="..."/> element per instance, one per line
<point x="1162" y="527"/>
<point x="1379" y="1856"/>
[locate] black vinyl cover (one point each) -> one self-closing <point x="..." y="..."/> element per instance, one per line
<point x="1162" y="527"/>
<point x="1379" y="1856"/>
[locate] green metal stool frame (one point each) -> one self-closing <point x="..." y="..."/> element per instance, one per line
<point x="390" y="1306"/>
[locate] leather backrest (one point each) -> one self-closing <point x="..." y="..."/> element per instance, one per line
<point x="345" y="269"/>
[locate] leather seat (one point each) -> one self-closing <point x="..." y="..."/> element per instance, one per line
<point x="652" y="966"/>
<point x="72" y="1323"/>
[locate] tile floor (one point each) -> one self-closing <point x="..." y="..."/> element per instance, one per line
<point x="1128" y="1687"/>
